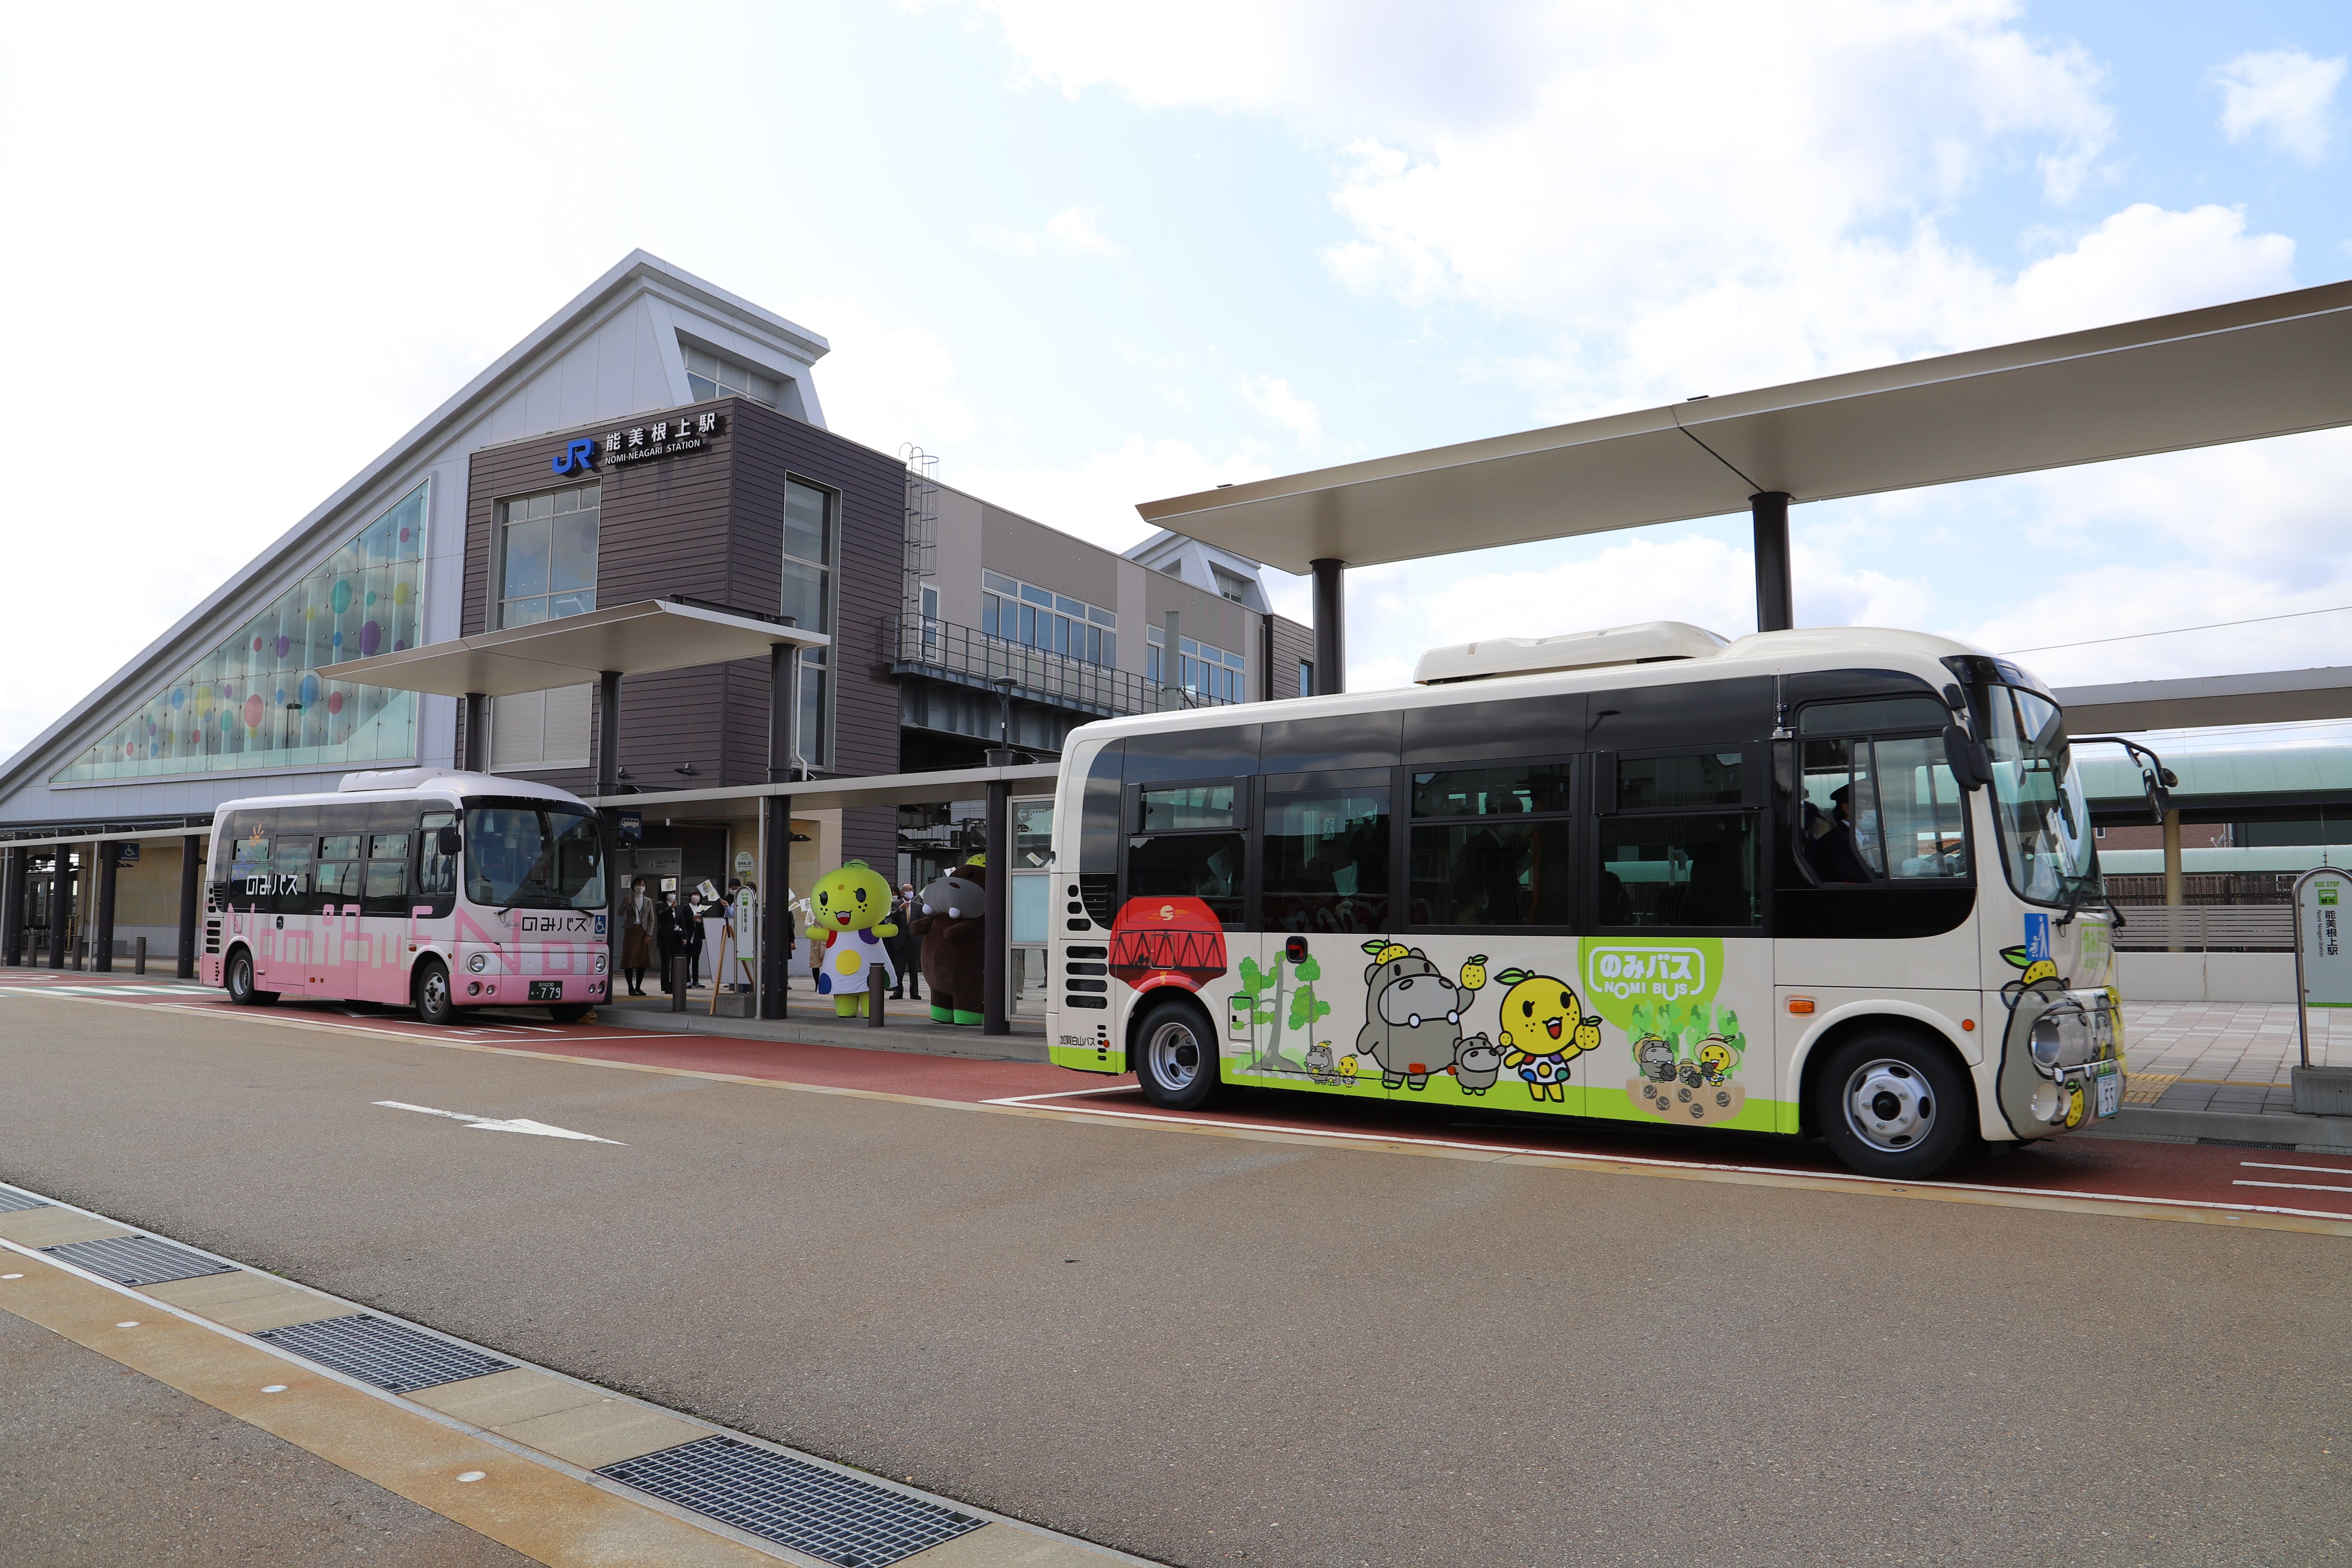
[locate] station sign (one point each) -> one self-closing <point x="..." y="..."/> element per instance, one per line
<point x="2323" y="937"/>
<point x="668" y="437"/>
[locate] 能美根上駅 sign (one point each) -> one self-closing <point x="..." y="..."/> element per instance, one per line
<point x="2323" y="936"/>
<point x="639" y="444"/>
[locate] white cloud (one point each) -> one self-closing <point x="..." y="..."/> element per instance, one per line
<point x="2283" y="94"/>
<point x="1012" y="242"/>
<point x="1096" y="498"/>
<point x="1074" y="229"/>
<point x="884" y="385"/>
<point x="1271" y="395"/>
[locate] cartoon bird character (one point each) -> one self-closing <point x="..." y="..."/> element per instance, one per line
<point x="852" y="906"/>
<point x="1478" y="1066"/>
<point x="1544" y="1028"/>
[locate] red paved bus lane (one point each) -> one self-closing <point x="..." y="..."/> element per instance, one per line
<point x="2119" y="1175"/>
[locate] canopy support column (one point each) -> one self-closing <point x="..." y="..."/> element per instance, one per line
<point x="60" y="905"/>
<point x="110" y="867"/>
<point x="776" y="824"/>
<point x="608" y="732"/>
<point x="477" y="713"/>
<point x="12" y="907"/>
<point x="996" y="940"/>
<point x="1331" y="626"/>
<point x="191" y="848"/>
<point x="1776" y="608"/>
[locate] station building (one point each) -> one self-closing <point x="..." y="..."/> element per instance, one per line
<point x="658" y="439"/>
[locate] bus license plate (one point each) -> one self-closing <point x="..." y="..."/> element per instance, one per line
<point x="2110" y="1098"/>
<point x="552" y="991"/>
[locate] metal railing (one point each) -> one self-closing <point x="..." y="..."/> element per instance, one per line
<point x="968" y="657"/>
<point x="2191" y="928"/>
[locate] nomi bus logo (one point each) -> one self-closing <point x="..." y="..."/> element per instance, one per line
<point x="1664" y="973"/>
<point x="577" y="456"/>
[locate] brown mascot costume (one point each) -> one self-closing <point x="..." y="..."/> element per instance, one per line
<point x="953" y="909"/>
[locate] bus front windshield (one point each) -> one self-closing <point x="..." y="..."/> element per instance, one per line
<point x="2039" y="810"/>
<point x="534" y="855"/>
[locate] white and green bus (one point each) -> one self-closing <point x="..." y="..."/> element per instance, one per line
<point x="1836" y="884"/>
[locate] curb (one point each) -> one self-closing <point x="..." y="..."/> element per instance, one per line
<point x="2310" y="1134"/>
<point x="924" y="1040"/>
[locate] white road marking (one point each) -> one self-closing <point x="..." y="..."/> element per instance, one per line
<point x="491" y="1124"/>
<point x="2315" y="1170"/>
<point x="2296" y="1186"/>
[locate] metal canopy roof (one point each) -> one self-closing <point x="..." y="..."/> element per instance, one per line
<point x="2206" y="702"/>
<point x="2271" y="366"/>
<point x="632" y="639"/>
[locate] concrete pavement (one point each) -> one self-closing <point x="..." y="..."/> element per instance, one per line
<point x="1204" y="1347"/>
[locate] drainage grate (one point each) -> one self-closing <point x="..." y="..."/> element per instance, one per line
<point x="808" y="1508"/>
<point x="390" y="1356"/>
<point x="138" y="1259"/>
<point x="10" y="1199"/>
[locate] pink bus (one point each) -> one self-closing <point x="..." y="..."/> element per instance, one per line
<point x="421" y="887"/>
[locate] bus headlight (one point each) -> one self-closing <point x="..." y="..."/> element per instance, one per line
<point x="2046" y="1045"/>
<point x="599" y="964"/>
<point x="2049" y="1104"/>
<point x="479" y="963"/>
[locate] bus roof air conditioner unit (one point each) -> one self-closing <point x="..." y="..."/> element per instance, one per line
<point x="1645" y="642"/>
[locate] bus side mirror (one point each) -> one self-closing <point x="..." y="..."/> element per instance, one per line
<point x="1971" y="763"/>
<point x="449" y="841"/>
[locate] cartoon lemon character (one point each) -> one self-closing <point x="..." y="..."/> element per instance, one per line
<point x="1715" y="1060"/>
<point x="2034" y="969"/>
<point x="1473" y="972"/>
<point x="2074" y="1106"/>
<point x="850" y="906"/>
<point x="1544" y="1028"/>
<point x="1347" y="1067"/>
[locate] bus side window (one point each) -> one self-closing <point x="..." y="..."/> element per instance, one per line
<point x="1098" y="835"/>
<point x="1677" y="846"/>
<point x="1873" y="809"/>
<point x="437" y="874"/>
<point x="1191" y="845"/>
<point x="249" y="859"/>
<point x="386" y="888"/>
<point x="340" y="862"/>
<point x="1327" y="851"/>
<point x="1491" y="845"/>
<point x="291" y="860"/>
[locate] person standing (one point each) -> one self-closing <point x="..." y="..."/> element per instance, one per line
<point x="906" y="949"/>
<point x="690" y="925"/>
<point x="638" y="936"/>
<point x="670" y="926"/>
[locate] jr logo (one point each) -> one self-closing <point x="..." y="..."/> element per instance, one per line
<point x="576" y="456"/>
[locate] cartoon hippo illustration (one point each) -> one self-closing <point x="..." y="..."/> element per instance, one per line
<point x="1412" y="1016"/>
<point x="1319" y="1066"/>
<point x="1478" y="1066"/>
<point x="1656" y="1060"/>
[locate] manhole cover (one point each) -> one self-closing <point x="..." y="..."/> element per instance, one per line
<point x="390" y="1356"/>
<point x="806" y="1507"/>
<point x="137" y="1259"/>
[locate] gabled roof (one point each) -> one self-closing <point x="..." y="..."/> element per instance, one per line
<point x="638" y="273"/>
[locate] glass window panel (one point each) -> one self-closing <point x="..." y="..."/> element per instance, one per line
<point x="291" y="865"/>
<point x="339" y="880"/>
<point x="1061" y="634"/>
<point x="339" y="846"/>
<point x="1492" y="873"/>
<point x="1028" y="624"/>
<point x="1326" y="860"/>
<point x="703" y="388"/>
<point x="988" y="603"/>
<point x="523" y="612"/>
<point x="1710" y="778"/>
<point x="805" y="596"/>
<point x="999" y="584"/>
<point x="1101" y="618"/>
<point x="1514" y="790"/>
<point x="1192" y="806"/>
<point x="1068" y="606"/>
<point x="573" y="560"/>
<point x="813" y="737"/>
<point x="527" y="551"/>
<point x="1037" y="595"/>
<point x="386" y="887"/>
<point x="701" y="364"/>
<point x="1697" y="869"/>
<point x="437" y="874"/>
<point x="1094" y="645"/>
<point x="1205" y="866"/>
<point x="1110" y="647"/>
<point x="540" y="506"/>
<point x="574" y="604"/>
<point x="1920" y="809"/>
<point x="1030" y="899"/>
<point x="388" y="847"/>
<point x="807" y="523"/>
<point x="1876" y="714"/>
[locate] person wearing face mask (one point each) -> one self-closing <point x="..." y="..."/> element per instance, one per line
<point x="906" y="950"/>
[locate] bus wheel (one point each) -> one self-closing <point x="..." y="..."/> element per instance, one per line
<point x="1176" y="1056"/>
<point x="430" y="990"/>
<point x="569" y="1012"/>
<point x="1890" y="1104"/>
<point x="239" y="981"/>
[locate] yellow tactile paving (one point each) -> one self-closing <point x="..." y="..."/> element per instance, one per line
<point x="539" y="1512"/>
<point x="55" y="1226"/>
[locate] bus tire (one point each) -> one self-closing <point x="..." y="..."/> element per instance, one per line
<point x="237" y="977"/>
<point x="568" y="1012"/>
<point x="1893" y="1105"/>
<point x="1176" y="1055"/>
<point x="429" y="988"/>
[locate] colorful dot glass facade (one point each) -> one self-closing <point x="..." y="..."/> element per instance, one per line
<point x="259" y="700"/>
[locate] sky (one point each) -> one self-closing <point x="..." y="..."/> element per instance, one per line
<point x="1091" y="255"/>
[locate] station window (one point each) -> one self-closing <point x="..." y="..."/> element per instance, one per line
<point x="811" y="530"/>
<point x="1206" y="669"/>
<point x="1050" y="621"/>
<point x="710" y="376"/>
<point x="547" y="555"/>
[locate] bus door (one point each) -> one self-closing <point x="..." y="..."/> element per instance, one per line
<point x="1341" y="1003"/>
<point x="341" y="950"/>
<point x="291" y="944"/>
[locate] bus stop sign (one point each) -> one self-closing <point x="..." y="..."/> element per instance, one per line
<point x="2322" y="939"/>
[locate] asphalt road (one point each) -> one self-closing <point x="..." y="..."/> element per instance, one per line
<point x="1206" y="1347"/>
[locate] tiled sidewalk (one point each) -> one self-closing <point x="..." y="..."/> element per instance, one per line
<point x="2222" y="1055"/>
